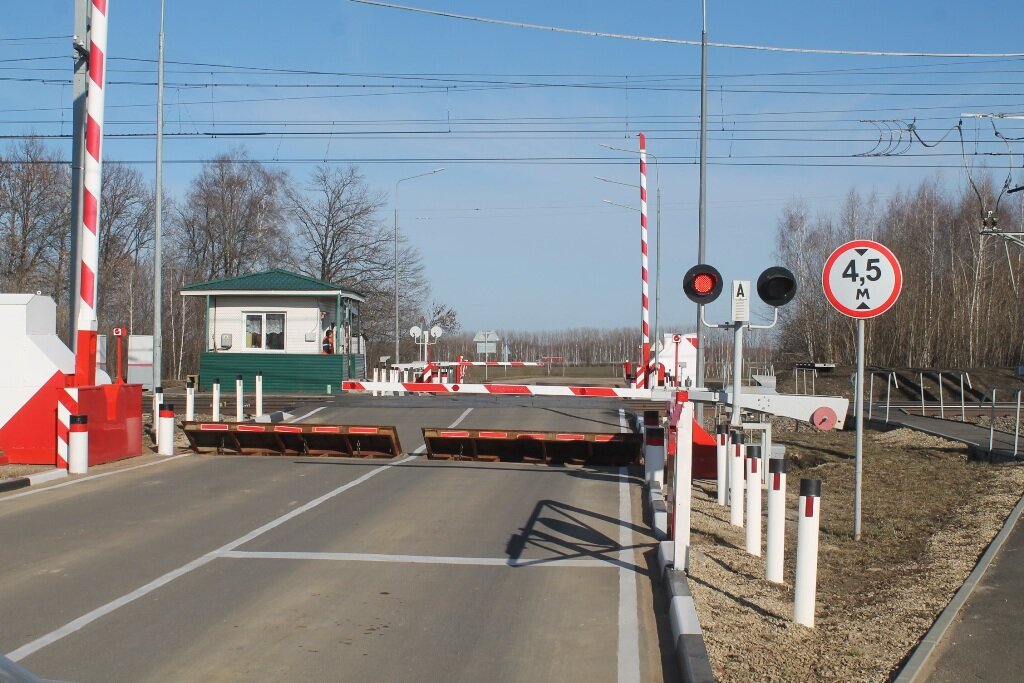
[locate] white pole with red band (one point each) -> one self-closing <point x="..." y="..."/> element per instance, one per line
<point x="736" y="480"/>
<point x="239" y="398"/>
<point x="806" y="583"/>
<point x="645" y="319"/>
<point x="165" y="443"/>
<point x="682" y="488"/>
<point x="158" y="398"/>
<point x="78" y="445"/>
<point x="722" y="460"/>
<point x="654" y="455"/>
<point x="259" y="393"/>
<point x="190" y="401"/>
<point x="215" y="399"/>
<point x="88" y="232"/>
<point x="753" y="472"/>
<point x="775" y="550"/>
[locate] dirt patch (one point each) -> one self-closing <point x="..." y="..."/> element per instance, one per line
<point x="928" y="514"/>
<point x="15" y="471"/>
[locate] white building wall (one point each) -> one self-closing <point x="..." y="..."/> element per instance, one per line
<point x="302" y="316"/>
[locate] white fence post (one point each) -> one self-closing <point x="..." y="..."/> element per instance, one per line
<point x="215" y="410"/>
<point x="722" y="459"/>
<point x="682" y="487"/>
<point x="753" y="473"/>
<point x="806" y="584"/>
<point x="736" y="480"/>
<point x="775" y="552"/>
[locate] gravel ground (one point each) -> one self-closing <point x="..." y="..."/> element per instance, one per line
<point x="928" y="515"/>
<point x="14" y="471"/>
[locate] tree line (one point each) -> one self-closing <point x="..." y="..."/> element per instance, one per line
<point x="961" y="304"/>
<point x="238" y="216"/>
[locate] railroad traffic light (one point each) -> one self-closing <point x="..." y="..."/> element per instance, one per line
<point x="776" y="286"/>
<point x="702" y="284"/>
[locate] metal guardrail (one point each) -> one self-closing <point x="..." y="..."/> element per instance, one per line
<point x="502" y="445"/>
<point x="249" y="438"/>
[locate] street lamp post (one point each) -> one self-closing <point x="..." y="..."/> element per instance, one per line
<point x="397" y="183"/>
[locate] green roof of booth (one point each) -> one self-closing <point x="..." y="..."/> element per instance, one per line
<point x="274" y="281"/>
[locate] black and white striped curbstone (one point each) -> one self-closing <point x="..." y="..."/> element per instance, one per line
<point x="15" y="483"/>
<point x="659" y="511"/>
<point x="691" y="650"/>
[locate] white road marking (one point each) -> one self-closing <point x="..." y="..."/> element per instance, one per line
<point x="629" y="630"/>
<point x="61" y="485"/>
<point x="623" y="427"/>
<point x="86" y="619"/>
<point x="303" y="417"/>
<point x="420" y="559"/>
<point x="462" y="417"/>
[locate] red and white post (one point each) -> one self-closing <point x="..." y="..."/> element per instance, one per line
<point x="806" y="583"/>
<point x="158" y="399"/>
<point x="78" y="445"/>
<point x="736" y="480"/>
<point x="259" y="393"/>
<point x="215" y="400"/>
<point x="239" y="398"/>
<point x="654" y="455"/>
<point x="682" y="488"/>
<point x="645" y="318"/>
<point x="190" y="401"/>
<point x="722" y="460"/>
<point x="165" y="443"/>
<point x="88" y="232"/>
<point x="775" y="551"/>
<point x="753" y="473"/>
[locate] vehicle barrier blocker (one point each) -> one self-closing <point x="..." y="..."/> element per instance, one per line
<point x="502" y="445"/>
<point x="248" y="438"/>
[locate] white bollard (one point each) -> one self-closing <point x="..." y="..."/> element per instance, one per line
<point x="722" y="460"/>
<point x="753" y="473"/>
<point x="215" y="410"/>
<point x="654" y="455"/>
<point x="682" y="489"/>
<point x="78" y="444"/>
<point x="190" y="401"/>
<point x="775" y="552"/>
<point x="736" y="480"/>
<point x="165" y="446"/>
<point x="259" y="393"/>
<point x="239" y="397"/>
<point x="806" y="583"/>
<point x="158" y="398"/>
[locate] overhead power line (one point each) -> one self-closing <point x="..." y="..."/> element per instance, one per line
<point x="678" y="41"/>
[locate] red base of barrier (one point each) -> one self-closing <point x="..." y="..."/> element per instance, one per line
<point x="705" y="459"/>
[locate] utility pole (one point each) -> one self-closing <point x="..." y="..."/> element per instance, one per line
<point x="158" y="345"/>
<point x="79" y="84"/>
<point x="702" y="212"/>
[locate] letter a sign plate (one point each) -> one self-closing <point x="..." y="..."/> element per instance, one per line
<point x="862" y="279"/>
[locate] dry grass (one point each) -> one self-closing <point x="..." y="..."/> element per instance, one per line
<point x="928" y="514"/>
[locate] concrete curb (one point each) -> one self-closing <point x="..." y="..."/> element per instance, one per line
<point x="691" y="650"/>
<point x="31" y="480"/>
<point x="923" y="652"/>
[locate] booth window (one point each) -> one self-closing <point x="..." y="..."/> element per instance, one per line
<point x="264" y="331"/>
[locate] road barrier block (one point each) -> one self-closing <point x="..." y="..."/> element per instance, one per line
<point x="503" y="445"/>
<point x="248" y="438"/>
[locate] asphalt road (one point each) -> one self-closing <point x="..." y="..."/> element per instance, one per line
<point x="220" y="568"/>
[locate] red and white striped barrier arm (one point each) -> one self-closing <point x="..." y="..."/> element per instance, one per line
<point x="497" y="363"/>
<point x="89" y="242"/>
<point x="645" y="318"/>
<point x="500" y="389"/>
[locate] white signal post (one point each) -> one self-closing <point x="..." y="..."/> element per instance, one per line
<point x="862" y="279"/>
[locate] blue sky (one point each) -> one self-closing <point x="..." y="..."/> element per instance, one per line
<point x="515" y="233"/>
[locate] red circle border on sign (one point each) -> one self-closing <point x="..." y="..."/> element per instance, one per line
<point x="889" y="256"/>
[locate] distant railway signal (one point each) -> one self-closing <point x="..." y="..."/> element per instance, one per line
<point x="702" y="284"/>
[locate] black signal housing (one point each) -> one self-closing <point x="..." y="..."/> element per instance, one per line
<point x="776" y="286"/>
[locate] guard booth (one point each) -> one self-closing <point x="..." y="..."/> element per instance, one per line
<point x="275" y="322"/>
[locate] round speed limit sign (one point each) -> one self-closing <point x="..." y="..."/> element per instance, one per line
<point x="862" y="279"/>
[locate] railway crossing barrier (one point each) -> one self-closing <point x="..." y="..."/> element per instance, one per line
<point x="503" y="445"/>
<point x="247" y="438"/>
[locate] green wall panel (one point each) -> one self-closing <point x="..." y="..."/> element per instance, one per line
<point x="282" y="373"/>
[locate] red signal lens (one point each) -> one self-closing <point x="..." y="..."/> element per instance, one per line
<point x="703" y="283"/>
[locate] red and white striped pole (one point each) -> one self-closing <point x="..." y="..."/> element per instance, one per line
<point x="165" y="443"/>
<point x="806" y="583"/>
<point x="754" y="500"/>
<point x="775" y="552"/>
<point x="78" y="445"/>
<point x="722" y="460"/>
<point x="736" y="480"/>
<point x="645" y="320"/>
<point x="88" y="232"/>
